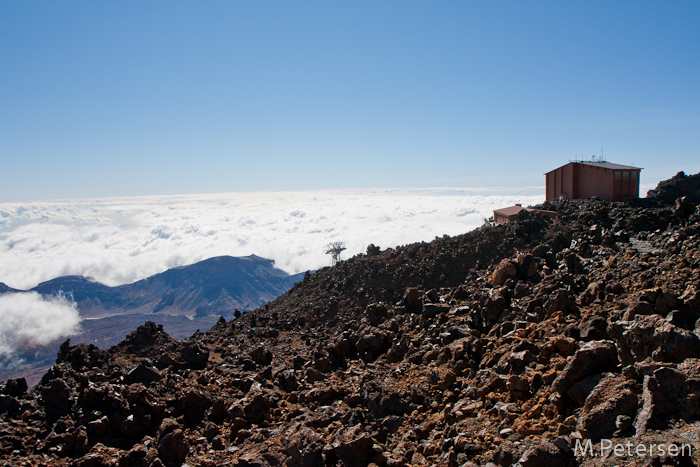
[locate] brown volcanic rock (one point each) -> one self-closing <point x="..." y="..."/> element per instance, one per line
<point x="679" y="186"/>
<point x="408" y="356"/>
<point x="594" y="357"/>
<point x="656" y="337"/>
<point x="614" y="396"/>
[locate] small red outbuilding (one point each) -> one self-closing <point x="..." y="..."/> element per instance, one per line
<point x="507" y="215"/>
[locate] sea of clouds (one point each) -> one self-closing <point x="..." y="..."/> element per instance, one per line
<point x="121" y="240"/>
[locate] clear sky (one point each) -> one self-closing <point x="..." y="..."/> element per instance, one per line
<point x="167" y="97"/>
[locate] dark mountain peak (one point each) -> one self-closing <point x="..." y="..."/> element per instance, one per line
<point x="72" y="279"/>
<point x="224" y="263"/>
<point x="79" y="287"/>
<point x="4" y="288"/>
<point x="259" y="259"/>
<point x="220" y="271"/>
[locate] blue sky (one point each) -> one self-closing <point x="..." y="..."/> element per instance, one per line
<point x="142" y="98"/>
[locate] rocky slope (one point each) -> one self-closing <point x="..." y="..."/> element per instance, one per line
<point x="32" y="362"/>
<point x="678" y="186"/>
<point x="182" y="299"/>
<point x="508" y="345"/>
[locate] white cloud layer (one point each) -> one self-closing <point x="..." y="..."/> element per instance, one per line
<point x="27" y="319"/>
<point x="121" y="240"/>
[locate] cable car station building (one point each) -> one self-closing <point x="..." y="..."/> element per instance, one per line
<point x="584" y="179"/>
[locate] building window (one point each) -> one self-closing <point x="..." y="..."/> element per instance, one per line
<point x="635" y="175"/>
<point x="617" y="176"/>
<point x="625" y="175"/>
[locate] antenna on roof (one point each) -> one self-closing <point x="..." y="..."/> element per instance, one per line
<point x="334" y="249"/>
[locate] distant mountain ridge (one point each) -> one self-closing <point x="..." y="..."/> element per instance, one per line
<point x="4" y="288"/>
<point x="215" y="286"/>
<point x="182" y="299"/>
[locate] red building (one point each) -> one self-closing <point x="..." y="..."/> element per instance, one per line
<point x="579" y="180"/>
<point x="507" y="215"/>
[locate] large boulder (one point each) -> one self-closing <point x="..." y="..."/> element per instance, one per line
<point x="593" y="358"/>
<point x="615" y="395"/>
<point x="654" y="336"/>
<point x="505" y="270"/>
<point x="57" y="398"/>
<point x="351" y="446"/>
<point x="173" y="447"/>
<point x="546" y="453"/>
<point x="304" y="447"/>
<point x="663" y="396"/>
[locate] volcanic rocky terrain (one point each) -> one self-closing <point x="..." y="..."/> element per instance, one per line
<point x="508" y="345"/>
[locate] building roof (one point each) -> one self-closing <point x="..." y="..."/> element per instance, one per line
<point x="604" y="165"/>
<point x="508" y="211"/>
<point x="610" y="165"/>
